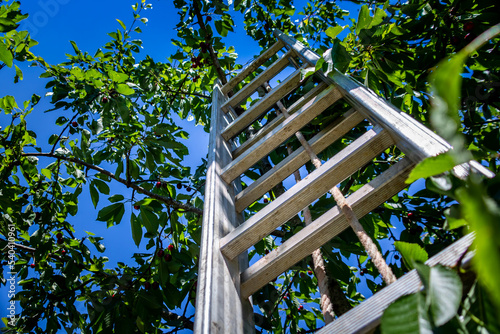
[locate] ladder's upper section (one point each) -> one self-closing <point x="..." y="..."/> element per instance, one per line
<point x="245" y="132"/>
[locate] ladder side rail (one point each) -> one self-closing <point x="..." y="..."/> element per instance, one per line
<point x="413" y="138"/>
<point x="218" y="290"/>
<point x="325" y="228"/>
<point x="366" y="317"/>
<point x="259" y="61"/>
<point x="334" y="171"/>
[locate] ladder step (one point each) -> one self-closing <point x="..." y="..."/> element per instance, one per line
<point x="252" y="67"/>
<point x="254" y="112"/>
<point x="258" y="81"/>
<point x="366" y="316"/>
<point x="334" y="171"/>
<point x="278" y="120"/>
<point x="284" y="131"/>
<point x="297" y="159"/>
<point x="323" y="229"/>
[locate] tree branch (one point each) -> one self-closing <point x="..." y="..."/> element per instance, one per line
<point x="213" y="56"/>
<point x="168" y="201"/>
<point x="167" y="315"/>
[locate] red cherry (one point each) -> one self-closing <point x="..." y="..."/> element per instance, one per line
<point x="63" y="252"/>
<point x="158" y="184"/>
<point x="60" y="241"/>
<point x="168" y="257"/>
<point x="454" y="40"/>
<point x="300" y="307"/>
<point x="266" y="200"/>
<point x="74" y="124"/>
<point x="309" y="272"/>
<point x="303" y="275"/>
<point x="137" y="207"/>
<point x="105" y="99"/>
<point x="170" y="247"/>
<point x="396" y="257"/>
<point x="188" y="189"/>
<point x="179" y="186"/>
<point x="32" y="265"/>
<point x="160" y="253"/>
<point x="468" y="26"/>
<point x="147" y="285"/>
<point x="209" y="18"/>
<point x="59" y="235"/>
<point x="285" y="297"/>
<point x="156" y="285"/>
<point x="410" y="215"/>
<point x="289" y="316"/>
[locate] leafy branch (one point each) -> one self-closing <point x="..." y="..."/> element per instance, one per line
<point x="168" y="201"/>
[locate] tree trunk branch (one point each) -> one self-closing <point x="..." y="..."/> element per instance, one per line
<point x="168" y="201"/>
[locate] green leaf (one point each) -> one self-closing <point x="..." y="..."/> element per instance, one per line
<point x="411" y="253"/>
<point x="19" y="73"/>
<point x="124" y="89"/>
<point x="94" y="194"/>
<point x="136" y="229"/>
<point x="364" y="19"/>
<point x="454" y="218"/>
<point x="111" y="213"/>
<point x="483" y="214"/>
<point x="7" y="25"/>
<point x="102" y="186"/>
<point x="338" y="56"/>
<point x="432" y="166"/>
<point x="444" y="294"/>
<point x="122" y="24"/>
<point x="332" y="32"/>
<point x="116" y="198"/>
<point x="95" y="241"/>
<point x="75" y="47"/>
<point x="149" y="220"/>
<point x="5" y="55"/>
<point x="407" y="315"/>
<point x="118" y="77"/>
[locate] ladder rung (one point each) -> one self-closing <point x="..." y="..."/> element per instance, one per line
<point x="366" y="316"/>
<point x="339" y="167"/>
<point x="298" y="158"/>
<point x="252" y="67"/>
<point x="249" y="116"/>
<point x="286" y="129"/>
<point x="278" y="120"/>
<point x="323" y="229"/>
<point x="258" y="81"/>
